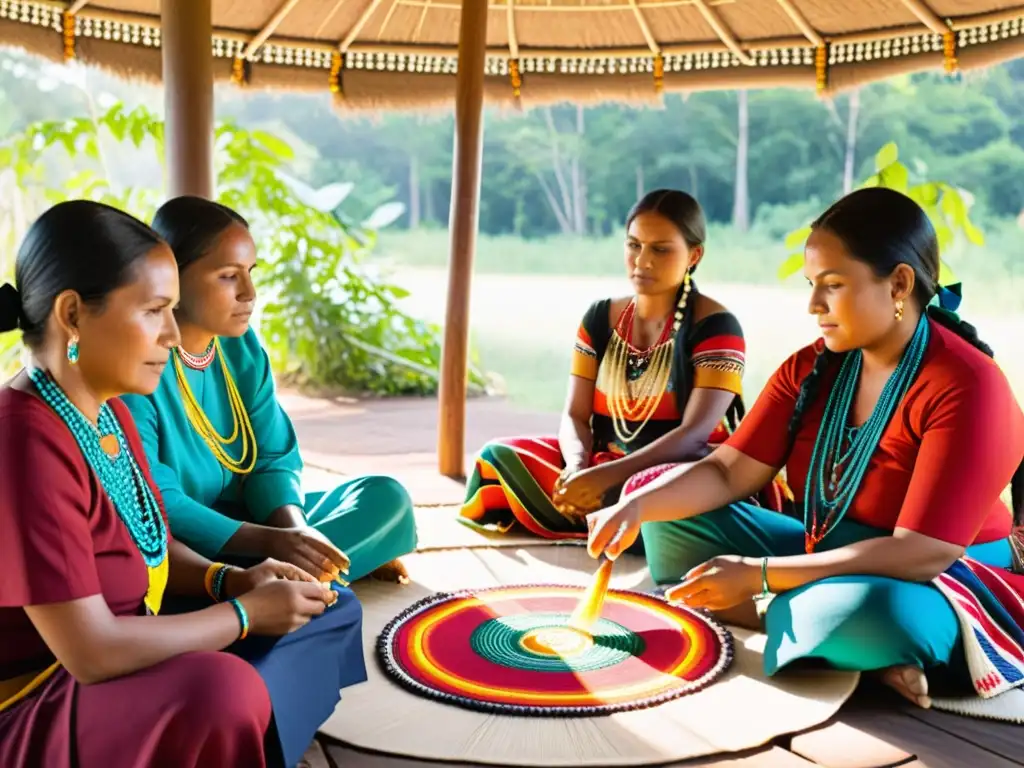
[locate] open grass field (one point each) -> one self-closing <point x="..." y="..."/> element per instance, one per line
<point x="528" y="299"/>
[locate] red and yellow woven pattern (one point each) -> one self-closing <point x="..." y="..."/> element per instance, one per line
<point x="508" y="650"/>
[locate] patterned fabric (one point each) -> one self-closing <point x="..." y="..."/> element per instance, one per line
<point x="989" y="603"/>
<point x="715" y="351"/>
<point x="513" y="479"/>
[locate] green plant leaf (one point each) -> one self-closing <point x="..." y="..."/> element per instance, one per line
<point x="953" y="205"/>
<point x="895" y="176"/>
<point x="797" y="238"/>
<point x="278" y="146"/>
<point x="946" y="275"/>
<point x="886" y="156"/>
<point x="973" y="234"/>
<point x="793" y="264"/>
<point x="926" y="195"/>
<point x="384" y="215"/>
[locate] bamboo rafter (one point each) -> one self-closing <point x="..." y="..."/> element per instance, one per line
<point x="927" y="16"/>
<point x="353" y="33"/>
<point x="269" y="28"/>
<point x="723" y="32"/>
<point x="387" y="19"/>
<point x="802" y="24"/>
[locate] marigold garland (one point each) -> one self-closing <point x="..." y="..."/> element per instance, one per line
<point x="68" y="31"/>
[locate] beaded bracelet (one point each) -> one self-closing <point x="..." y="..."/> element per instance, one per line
<point x="214" y="580"/>
<point x="243" y="617"/>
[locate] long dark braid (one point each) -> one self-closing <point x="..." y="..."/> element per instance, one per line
<point x="898" y="232"/>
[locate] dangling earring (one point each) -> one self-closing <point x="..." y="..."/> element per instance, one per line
<point x="73" y="350"/>
<point x="899" y="311"/>
<point x="681" y="306"/>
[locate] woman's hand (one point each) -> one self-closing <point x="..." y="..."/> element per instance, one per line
<point x="308" y="549"/>
<point x="583" y="491"/>
<point x="239" y="581"/>
<point x="611" y="531"/>
<point x="282" y="606"/>
<point x="720" y="583"/>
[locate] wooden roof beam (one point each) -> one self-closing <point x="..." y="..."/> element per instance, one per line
<point x="723" y="32"/>
<point x="364" y="17"/>
<point x="802" y="24"/>
<point x="927" y="16"/>
<point x="644" y="29"/>
<point x="77" y="6"/>
<point x="249" y="52"/>
<point x="510" y="19"/>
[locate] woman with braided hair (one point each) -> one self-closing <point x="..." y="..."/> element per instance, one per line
<point x="899" y="435"/>
<point x="655" y="380"/>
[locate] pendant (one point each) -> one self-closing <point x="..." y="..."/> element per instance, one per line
<point x="809" y="544"/>
<point x="111" y="446"/>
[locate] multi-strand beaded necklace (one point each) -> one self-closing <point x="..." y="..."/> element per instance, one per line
<point x="841" y="452"/>
<point x="108" y="454"/>
<point x="201" y="423"/>
<point x="635" y="380"/>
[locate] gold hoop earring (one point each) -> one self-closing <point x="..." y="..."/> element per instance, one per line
<point x="899" y="311"/>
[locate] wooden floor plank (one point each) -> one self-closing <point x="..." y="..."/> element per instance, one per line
<point x="342" y="756"/>
<point x="933" y="747"/>
<point x="839" y="745"/>
<point x="1004" y="739"/>
<point x="315" y="757"/>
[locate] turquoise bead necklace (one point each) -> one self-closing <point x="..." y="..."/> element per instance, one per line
<point x="120" y="475"/>
<point x="835" y="475"/>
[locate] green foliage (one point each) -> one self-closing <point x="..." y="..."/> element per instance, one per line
<point x="947" y="206"/>
<point x="328" y="322"/>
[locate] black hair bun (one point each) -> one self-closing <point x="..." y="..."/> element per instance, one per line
<point x="10" y="308"/>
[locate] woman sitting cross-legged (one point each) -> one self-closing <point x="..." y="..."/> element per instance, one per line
<point x="92" y="671"/>
<point x="899" y="434"/>
<point x="656" y="380"/>
<point x="223" y="450"/>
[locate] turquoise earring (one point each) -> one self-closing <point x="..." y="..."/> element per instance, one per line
<point x="73" y="350"/>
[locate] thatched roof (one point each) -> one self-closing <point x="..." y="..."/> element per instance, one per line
<point x="403" y="53"/>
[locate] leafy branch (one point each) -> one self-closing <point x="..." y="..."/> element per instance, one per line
<point x="328" y="322"/>
<point x="947" y="206"/>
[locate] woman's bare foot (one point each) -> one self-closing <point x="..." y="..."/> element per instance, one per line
<point x="394" y="572"/>
<point x="910" y="682"/>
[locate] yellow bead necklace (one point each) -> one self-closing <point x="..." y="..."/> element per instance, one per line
<point x="201" y="423"/>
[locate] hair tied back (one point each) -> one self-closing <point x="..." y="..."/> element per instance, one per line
<point x="10" y="308"/>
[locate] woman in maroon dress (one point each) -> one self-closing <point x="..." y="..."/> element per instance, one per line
<point x="90" y="674"/>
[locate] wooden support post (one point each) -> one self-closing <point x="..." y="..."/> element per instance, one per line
<point x="463" y="221"/>
<point x="187" y="49"/>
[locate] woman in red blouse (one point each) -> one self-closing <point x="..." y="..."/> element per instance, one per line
<point x="90" y="675"/>
<point x="898" y="433"/>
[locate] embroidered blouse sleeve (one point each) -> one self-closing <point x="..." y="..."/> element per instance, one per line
<point x="585" y="359"/>
<point x="718" y="353"/>
<point x="46" y="545"/>
<point x="763" y="434"/>
<point x="972" y="443"/>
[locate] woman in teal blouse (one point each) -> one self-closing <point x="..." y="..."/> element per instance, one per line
<point x="222" y="449"/>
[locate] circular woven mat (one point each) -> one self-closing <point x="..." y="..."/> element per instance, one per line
<point x="740" y="710"/>
<point x="508" y="650"/>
